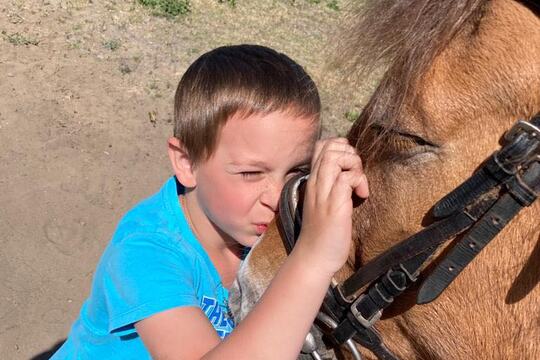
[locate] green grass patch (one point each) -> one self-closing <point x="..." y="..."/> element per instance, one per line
<point x="232" y="3"/>
<point x="74" y="45"/>
<point x="19" y="39"/>
<point x="168" y="8"/>
<point x="112" y="45"/>
<point x="352" y="115"/>
<point x="333" y="5"/>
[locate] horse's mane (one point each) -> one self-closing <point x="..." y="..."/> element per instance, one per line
<point x="404" y="37"/>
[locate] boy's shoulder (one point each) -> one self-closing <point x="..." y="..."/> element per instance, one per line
<point x="159" y="213"/>
<point x="156" y="221"/>
<point x="159" y="203"/>
<point x="154" y="229"/>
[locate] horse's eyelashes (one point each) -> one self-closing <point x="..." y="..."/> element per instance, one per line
<point x="400" y="144"/>
<point x="394" y="144"/>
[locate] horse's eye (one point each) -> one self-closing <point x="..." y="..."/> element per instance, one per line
<point x="401" y="143"/>
<point x="396" y="145"/>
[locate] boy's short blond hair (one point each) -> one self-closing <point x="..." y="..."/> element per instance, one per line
<point x="243" y="79"/>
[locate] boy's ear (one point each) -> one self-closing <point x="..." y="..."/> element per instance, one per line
<point x="181" y="163"/>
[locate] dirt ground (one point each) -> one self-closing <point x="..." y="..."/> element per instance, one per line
<point x="85" y="108"/>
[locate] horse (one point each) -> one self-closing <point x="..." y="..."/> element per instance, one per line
<point x="457" y="74"/>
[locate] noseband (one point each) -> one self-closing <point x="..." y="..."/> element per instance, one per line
<point x="479" y="208"/>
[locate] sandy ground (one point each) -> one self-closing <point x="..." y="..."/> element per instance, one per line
<point x="85" y="110"/>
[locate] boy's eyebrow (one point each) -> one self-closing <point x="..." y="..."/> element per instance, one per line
<point x="249" y="162"/>
<point x="262" y="164"/>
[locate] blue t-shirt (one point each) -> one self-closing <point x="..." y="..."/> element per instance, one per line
<point x="153" y="263"/>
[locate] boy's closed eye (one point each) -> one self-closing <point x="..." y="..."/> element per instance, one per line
<point x="251" y="175"/>
<point x="255" y="175"/>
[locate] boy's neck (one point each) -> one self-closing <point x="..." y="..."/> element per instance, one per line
<point x="224" y="253"/>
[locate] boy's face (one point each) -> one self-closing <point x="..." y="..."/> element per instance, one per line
<point x="238" y="188"/>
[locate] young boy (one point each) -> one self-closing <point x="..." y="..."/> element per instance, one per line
<point x="246" y="120"/>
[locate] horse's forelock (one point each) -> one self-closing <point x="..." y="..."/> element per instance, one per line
<point x="403" y="37"/>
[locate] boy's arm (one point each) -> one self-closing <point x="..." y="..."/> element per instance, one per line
<point x="178" y="333"/>
<point x="276" y="327"/>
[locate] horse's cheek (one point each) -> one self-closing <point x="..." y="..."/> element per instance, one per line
<point x="256" y="273"/>
<point x="246" y="290"/>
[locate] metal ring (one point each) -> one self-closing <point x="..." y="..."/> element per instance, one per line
<point x="328" y="321"/>
<point x="522" y="125"/>
<point x="367" y="323"/>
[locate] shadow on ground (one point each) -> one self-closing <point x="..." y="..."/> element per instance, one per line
<point x="46" y="355"/>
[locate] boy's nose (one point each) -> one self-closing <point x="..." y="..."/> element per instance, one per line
<point x="270" y="196"/>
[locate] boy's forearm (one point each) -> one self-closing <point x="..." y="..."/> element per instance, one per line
<point x="277" y="326"/>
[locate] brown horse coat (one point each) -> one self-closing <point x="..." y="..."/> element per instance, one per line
<point x="459" y="73"/>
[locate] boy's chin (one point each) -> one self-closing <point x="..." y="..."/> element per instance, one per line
<point x="249" y="241"/>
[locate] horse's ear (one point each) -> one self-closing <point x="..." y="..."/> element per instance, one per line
<point x="181" y="163"/>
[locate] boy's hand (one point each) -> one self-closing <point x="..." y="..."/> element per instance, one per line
<point x="336" y="171"/>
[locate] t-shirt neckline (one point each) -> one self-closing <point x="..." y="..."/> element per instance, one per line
<point x="174" y="189"/>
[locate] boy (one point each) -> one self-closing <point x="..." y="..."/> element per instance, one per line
<point x="246" y="119"/>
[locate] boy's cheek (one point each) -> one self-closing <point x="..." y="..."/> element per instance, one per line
<point x="229" y="200"/>
<point x="235" y="203"/>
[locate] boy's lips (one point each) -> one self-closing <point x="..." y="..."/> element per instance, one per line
<point x="261" y="228"/>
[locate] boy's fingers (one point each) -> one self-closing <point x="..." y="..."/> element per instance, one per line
<point x="362" y="188"/>
<point x="316" y="154"/>
<point x="332" y="143"/>
<point x="323" y="146"/>
<point x="346" y="183"/>
<point x="331" y="165"/>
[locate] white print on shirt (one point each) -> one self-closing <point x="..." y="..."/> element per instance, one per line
<point x="218" y="315"/>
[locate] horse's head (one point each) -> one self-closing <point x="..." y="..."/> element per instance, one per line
<point x="459" y="73"/>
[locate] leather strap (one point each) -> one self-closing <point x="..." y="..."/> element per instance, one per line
<point x="523" y="143"/>
<point x="521" y="193"/>
<point x="290" y="205"/>
<point x="429" y="238"/>
<point x="367" y="308"/>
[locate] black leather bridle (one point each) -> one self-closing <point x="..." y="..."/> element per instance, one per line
<point x="478" y="209"/>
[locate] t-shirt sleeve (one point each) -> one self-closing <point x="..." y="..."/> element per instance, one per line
<point x="144" y="275"/>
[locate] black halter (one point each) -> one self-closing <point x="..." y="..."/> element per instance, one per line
<point x="481" y="206"/>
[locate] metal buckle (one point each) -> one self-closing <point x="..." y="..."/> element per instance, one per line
<point x="522" y="126"/>
<point x="328" y="321"/>
<point x="500" y="164"/>
<point x="527" y="189"/>
<point x="412" y="277"/>
<point x="341" y="298"/>
<point x="367" y="323"/>
<point x="532" y="160"/>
